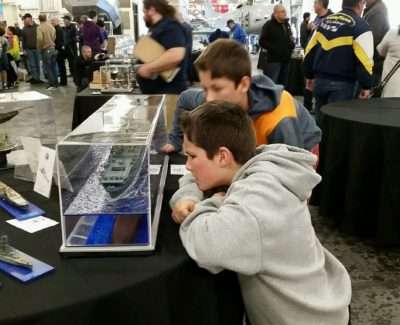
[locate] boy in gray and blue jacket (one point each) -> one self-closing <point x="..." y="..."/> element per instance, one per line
<point x="225" y="74"/>
<point x="261" y="227"/>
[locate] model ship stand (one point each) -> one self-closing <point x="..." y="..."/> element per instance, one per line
<point x="10" y="255"/>
<point x="5" y="146"/>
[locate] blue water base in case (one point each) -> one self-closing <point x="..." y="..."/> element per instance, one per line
<point x="22" y="214"/>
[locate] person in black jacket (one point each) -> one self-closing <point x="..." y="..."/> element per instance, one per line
<point x="71" y="37"/>
<point x="305" y="31"/>
<point x="84" y="68"/>
<point x="59" y="44"/>
<point x="276" y="37"/>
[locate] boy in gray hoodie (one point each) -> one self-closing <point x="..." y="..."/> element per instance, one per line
<point x="260" y="227"/>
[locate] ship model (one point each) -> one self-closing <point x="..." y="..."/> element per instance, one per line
<point x="122" y="169"/>
<point x="12" y="197"/>
<point x="10" y="255"/>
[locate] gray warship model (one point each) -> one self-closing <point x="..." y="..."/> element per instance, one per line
<point x="10" y="255"/>
<point x="12" y="197"/>
<point x="122" y="169"/>
<point x="4" y="117"/>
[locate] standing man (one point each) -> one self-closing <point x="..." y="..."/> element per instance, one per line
<point x="59" y="43"/>
<point x="339" y="57"/>
<point x="238" y="34"/>
<point x="376" y="16"/>
<point x="322" y="11"/>
<point x="159" y="17"/>
<point x="276" y="37"/>
<point x="46" y="37"/>
<point x="91" y="33"/>
<point x="70" y="41"/>
<point x="29" y="45"/>
<point x="305" y="31"/>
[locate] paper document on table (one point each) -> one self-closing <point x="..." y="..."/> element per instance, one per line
<point x="148" y="50"/>
<point x="33" y="225"/>
<point x="31" y="147"/>
<point x="179" y="170"/>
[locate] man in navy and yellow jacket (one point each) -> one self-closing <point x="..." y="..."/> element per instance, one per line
<point x="225" y="74"/>
<point x="339" y="57"/>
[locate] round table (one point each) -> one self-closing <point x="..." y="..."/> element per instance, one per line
<point x="164" y="288"/>
<point x="360" y="167"/>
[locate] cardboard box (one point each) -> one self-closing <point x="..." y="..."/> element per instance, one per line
<point x="147" y="50"/>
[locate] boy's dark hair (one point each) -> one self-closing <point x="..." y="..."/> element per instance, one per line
<point x="218" y="124"/>
<point x="225" y="58"/>
<point x="350" y="3"/>
<point x="161" y="6"/>
<point x="92" y="14"/>
<point x="324" y="3"/>
<point x="306" y="15"/>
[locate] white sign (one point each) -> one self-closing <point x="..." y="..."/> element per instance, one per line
<point x="44" y="174"/>
<point x="179" y="170"/>
<point x="33" y="224"/>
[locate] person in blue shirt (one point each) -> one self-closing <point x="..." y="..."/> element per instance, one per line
<point x="159" y="17"/>
<point x="238" y="34"/>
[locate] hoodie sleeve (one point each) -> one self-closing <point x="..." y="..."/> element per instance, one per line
<point x="223" y="235"/>
<point x="363" y="47"/>
<point x="187" y="101"/>
<point x="188" y="190"/>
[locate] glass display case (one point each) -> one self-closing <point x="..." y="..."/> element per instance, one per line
<point x="111" y="177"/>
<point x="120" y="46"/>
<point x="119" y="77"/>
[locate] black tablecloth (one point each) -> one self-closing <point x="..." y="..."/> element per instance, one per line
<point x="360" y="167"/>
<point x="163" y="288"/>
<point x="89" y="101"/>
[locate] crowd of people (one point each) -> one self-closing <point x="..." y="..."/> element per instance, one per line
<point x="45" y="47"/>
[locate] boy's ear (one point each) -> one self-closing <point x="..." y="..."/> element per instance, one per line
<point x="244" y="84"/>
<point x="225" y="157"/>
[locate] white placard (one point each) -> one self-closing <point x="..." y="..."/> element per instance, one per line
<point x="33" y="224"/>
<point x="178" y="170"/>
<point x="45" y="171"/>
<point x="154" y="169"/>
<point x="31" y="147"/>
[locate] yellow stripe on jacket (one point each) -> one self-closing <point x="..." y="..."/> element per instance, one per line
<point x="267" y="122"/>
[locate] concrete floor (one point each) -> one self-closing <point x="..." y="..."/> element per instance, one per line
<point x="375" y="272"/>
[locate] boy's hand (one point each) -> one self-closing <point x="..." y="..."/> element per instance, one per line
<point x="182" y="209"/>
<point x="168" y="148"/>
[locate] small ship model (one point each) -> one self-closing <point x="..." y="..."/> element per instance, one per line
<point x="4" y="117"/>
<point x="10" y="255"/>
<point x="122" y="168"/>
<point x="12" y="197"/>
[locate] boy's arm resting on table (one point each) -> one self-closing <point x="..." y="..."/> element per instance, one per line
<point x="222" y="234"/>
<point x="188" y="190"/>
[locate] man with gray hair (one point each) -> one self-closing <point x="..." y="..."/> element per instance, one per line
<point x="46" y="37"/>
<point x="276" y="37"/>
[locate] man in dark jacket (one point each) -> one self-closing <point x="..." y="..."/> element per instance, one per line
<point x="305" y="31"/>
<point x="376" y="15"/>
<point x="29" y="37"/>
<point x="60" y="51"/>
<point x="70" y="41"/>
<point x="84" y="68"/>
<point x="339" y="57"/>
<point x="276" y="37"/>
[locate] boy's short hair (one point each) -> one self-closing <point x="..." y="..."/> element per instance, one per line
<point x="225" y="58"/>
<point x="218" y="124"/>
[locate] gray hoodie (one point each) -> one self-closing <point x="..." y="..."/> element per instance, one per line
<point x="264" y="96"/>
<point x="262" y="230"/>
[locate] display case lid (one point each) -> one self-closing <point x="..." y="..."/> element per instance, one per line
<point x="123" y="120"/>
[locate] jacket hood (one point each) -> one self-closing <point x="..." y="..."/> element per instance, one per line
<point x="264" y="95"/>
<point x="290" y="166"/>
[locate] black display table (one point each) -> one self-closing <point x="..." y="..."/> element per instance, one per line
<point x="89" y="101"/>
<point x="360" y="167"/>
<point x="165" y="288"/>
